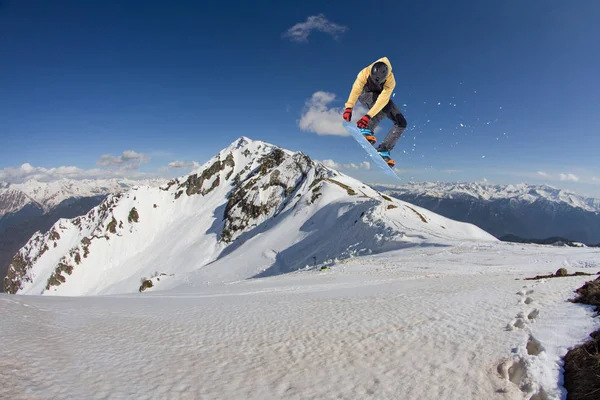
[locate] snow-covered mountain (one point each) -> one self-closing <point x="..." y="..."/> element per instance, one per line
<point x="252" y="210"/>
<point x="522" y="192"/>
<point x="33" y="206"/>
<point x="530" y="211"/>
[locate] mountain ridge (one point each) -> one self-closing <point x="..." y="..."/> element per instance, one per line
<point x="483" y="191"/>
<point x="252" y="210"/>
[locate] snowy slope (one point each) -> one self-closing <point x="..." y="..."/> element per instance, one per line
<point x="426" y="322"/>
<point x="253" y="209"/>
<point x="12" y="200"/>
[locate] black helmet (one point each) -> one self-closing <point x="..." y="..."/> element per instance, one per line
<point x="379" y="71"/>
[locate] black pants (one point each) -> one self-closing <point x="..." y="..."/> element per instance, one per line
<point x="391" y="111"/>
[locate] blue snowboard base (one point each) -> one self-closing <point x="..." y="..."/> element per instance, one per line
<point x="364" y="143"/>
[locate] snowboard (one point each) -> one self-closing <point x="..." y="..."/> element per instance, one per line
<point x="364" y="143"/>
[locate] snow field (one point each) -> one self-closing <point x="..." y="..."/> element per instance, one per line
<point x="424" y="322"/>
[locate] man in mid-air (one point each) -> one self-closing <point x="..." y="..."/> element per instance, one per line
<point x="373" y="87"/>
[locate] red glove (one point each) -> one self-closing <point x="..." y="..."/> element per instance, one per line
<point x="348" y="114"/>
<point x="363" y="123"/>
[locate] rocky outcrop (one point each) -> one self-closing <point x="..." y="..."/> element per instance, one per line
<point x="264" y="191"/>
<point x="208" y="180"/>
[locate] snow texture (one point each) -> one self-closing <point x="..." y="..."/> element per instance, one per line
<point x="435" y="321"/>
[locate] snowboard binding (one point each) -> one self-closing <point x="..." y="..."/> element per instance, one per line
<point x="368" y="134"/>
<point x="386" y="157"/>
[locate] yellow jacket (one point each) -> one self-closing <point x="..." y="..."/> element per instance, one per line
<point x="361" y="81"/>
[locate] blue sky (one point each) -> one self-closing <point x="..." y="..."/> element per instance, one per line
<point x="506" y="92"/>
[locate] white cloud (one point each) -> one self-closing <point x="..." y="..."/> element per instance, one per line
<point x="129" y="160"/>
<point x="176" y="164"/>
<point x="595" y="179"/>
<point x="331" y="164"/>
<point x="544" y="174"/>
<point x="28" y="172"/>
<point x="122" y="166"/>
<point x="301" y="31"/>
<point x="365" y="165"/>
<point x="484" y="180"/>
<point x="182" y="164"/>
<point x="568" y="177"/>
<point x="322" y="120"/>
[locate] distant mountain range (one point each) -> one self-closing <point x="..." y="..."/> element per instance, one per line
<point x="525" y="211"/>
<point x="33" y="206"/>
<point x="46" y="196"/>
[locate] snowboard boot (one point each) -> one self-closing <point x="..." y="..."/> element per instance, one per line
<point x="368" y="134"/>
<point x="386" y="157"/>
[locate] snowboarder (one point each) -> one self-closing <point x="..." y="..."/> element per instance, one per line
<point x="373" y="87"/>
